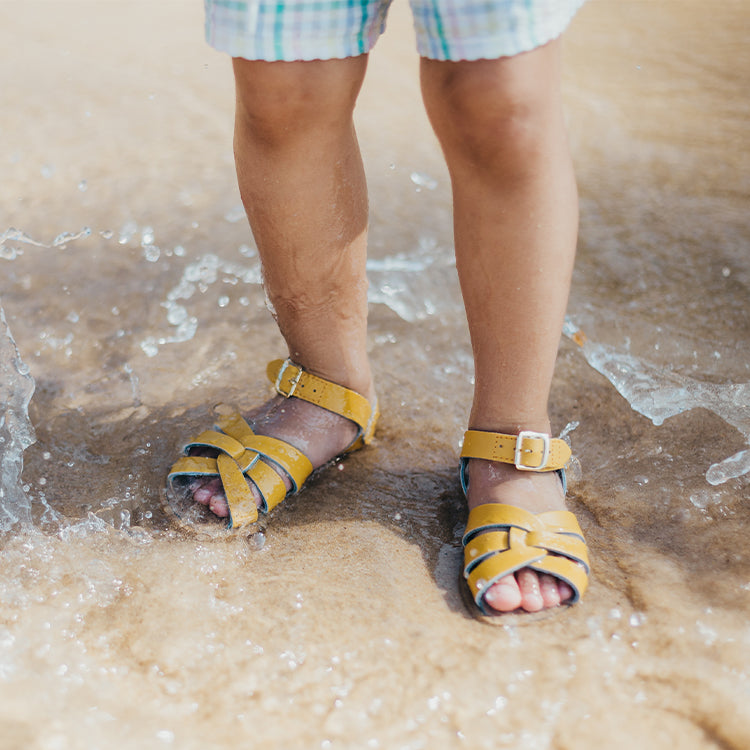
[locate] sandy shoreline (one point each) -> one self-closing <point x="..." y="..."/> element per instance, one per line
<point x="346" y="630"/>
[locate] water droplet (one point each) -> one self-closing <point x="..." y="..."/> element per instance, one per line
<point x="9" y="253"/>
<point x="223" y="301"/>
<point x="151" y="253"/>
<point x="127" y="232"/>
<point x="83" y="186"/>
<point x="423" y="180"/>
<point x="256" y="541"/>
<point x="150" y="347"/>
<point x="235" y="213"/>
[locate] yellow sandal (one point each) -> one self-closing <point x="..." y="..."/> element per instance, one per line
<point x="243" y="455"/>
<point x="501" y="539"/>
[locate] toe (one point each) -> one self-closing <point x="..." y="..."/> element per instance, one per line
<point x="531" y="595"/>
<point x="550" y="590"/>
<point x="218" y="505"/>
<point x="566" y="591"/>
<point x="202" y="493"/>
<point x="504" y="596"/>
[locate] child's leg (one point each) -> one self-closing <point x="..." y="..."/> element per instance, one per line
<point x="515" y="211"/>
<point x="303" y="187"/>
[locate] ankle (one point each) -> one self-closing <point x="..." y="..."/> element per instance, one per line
<point x="496" y="482"/>
<point x="487" y="421"/>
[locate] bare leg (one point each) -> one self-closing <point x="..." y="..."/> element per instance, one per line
<point x="303" y="188"/>
<point x="515" y="212"/>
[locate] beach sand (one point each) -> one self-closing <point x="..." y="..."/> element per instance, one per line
<point x="131" y="285"/>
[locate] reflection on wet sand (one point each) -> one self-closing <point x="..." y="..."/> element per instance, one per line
<point x="131" y="287"/>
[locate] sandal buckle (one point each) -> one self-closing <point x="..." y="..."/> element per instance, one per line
<point x="527" y="435"/>
<point x="294" y="381"/>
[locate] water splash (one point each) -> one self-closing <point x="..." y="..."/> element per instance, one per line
<point x="196" y="276"/>
<point x="659" y="393"/>
<point x="16" y="432"/>
<point x="418" y="284"/>
<point x="17" y="236"/>
<point x="414" y="285"/>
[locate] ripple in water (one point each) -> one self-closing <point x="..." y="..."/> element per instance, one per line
<point x="658" y="393"/>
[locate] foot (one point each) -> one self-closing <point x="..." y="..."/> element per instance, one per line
<point x="537" y="492"/>
<point x="320" y="434"/>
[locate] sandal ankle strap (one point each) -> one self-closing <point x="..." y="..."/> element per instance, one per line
<point x="527" y="451"/>
<point x="292" y="380"/>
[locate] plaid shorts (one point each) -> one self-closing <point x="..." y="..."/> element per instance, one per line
<point x="326" y="29"/>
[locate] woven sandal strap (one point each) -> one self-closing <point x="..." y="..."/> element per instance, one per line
<point x="483" y="576"/>
<point x="501" y="539"/>
<point x="193" y="466"/>
<point x="240" y="451"/>
<point x="499" y="516"/>
<point x="494" y="542"/>
<point x="529" y="455"/>
<point x="290" y="380"/>
<point x="240" y="499"/>
<point x="269" y="483"/>
<point x="222" y="442"/>
<point x="292" y="460"/>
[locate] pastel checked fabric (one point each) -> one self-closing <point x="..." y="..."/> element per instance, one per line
<point x="327" y="29"/>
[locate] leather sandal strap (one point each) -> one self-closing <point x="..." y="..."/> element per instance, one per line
<point x="527" y="451"/>
<point x="240" y="499"/>
<point x="240" y="453"/>
<point x="243" y="455"/>
<point x="501" y="539"/>
<point x="290" y="380"/>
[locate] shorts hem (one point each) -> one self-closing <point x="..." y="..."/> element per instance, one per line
<point x="524" y="38"/>
<point x="256" y="52"/>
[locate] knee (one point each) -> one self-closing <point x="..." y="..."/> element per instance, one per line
<point x="277" y="101"/>
<point x="485" y="116"/>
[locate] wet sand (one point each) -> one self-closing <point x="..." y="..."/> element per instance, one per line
<point x="346" y="629"/>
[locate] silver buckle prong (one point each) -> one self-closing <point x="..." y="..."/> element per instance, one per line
<point x="295" y="380"/>
<point x="527" y="435"/>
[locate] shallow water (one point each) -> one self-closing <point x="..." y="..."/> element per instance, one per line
<point x="131" y="288"/>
